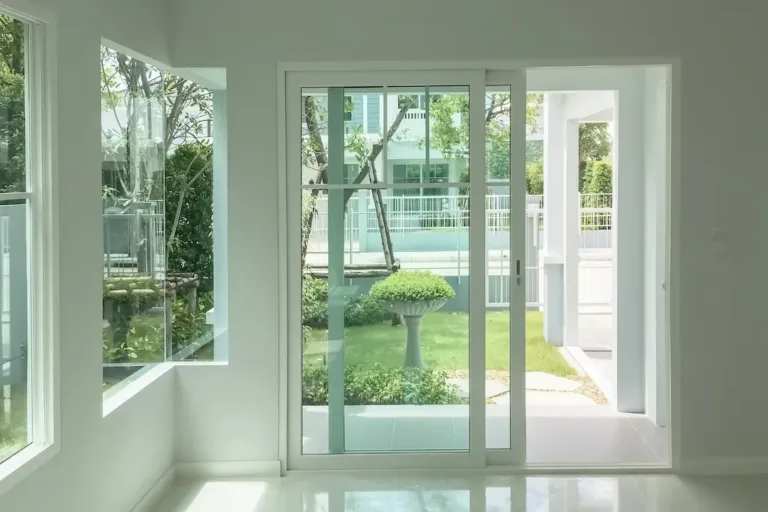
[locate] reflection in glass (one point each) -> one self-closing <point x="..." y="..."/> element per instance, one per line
<point x="15" y="429"/>
<point x="14" y="363"/>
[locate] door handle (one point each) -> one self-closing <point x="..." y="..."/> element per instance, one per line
<point x="517" y="265"/>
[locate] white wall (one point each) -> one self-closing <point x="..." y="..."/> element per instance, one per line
<point x="720" y="353"/>
<point x="105" y="463"/>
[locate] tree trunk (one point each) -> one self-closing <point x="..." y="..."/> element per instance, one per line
<point x="311" y="122"/>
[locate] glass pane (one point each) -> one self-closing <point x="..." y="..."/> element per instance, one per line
<point x="348" y="117"/>
<point x="386" y="315"/>
<point x="15" y="431"/>
<point x="429" y="129"/>
<point x="137" y="310"/>
<point x="12" y="106"/>
<point x="190" y="229"/>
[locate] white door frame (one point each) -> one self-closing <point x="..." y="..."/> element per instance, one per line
<point x="542" y="83"/>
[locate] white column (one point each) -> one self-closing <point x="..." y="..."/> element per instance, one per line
<point x="572" y="228"/>
<point x="628" y="255"/>
<point x="554" y="194"/>
<point x="220" y="231"/>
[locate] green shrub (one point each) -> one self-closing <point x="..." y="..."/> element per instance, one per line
<point x="364" y="310"/>
<point x="412" y="286"/>
<point x="314" y="303"/>
<point x="377" y="385"/>
<point x="534" y="178"/>
<point x="598" y="178"/>
<point x="361" y="310"/>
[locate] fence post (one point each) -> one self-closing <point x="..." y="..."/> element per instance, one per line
<point x="362" y="220"/>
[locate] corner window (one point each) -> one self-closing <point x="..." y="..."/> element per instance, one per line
<point x="157" y="195"/>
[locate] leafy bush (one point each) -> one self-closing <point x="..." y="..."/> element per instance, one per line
<point x="362" y="310"/>
<point x="377" y="385"/>
<point x="189" y="211"/>
<point x="314" y="303"/>
<point x="412" y="286"/>
<point x="534" y="178"/>
<point x="598" y="178"/>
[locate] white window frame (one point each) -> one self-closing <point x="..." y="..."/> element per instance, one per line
<point x="42" y="244"/>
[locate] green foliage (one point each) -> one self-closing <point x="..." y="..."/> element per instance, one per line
<point x="594" y="141"/>
<point x="145" y="335"/>
<point x="12" y="99"/>
<point x="314" y="303"/>
<point x="534" y="151"/>
<point x="364" y="310"/>
<point x="534" y="178"/>
<point x="190" y="326"/>
<point x="598" y="178"/>
<point x="361" y="310"/>
<point x="376" y="385"/>
<point x="412" y="286"/>
<point x="189" y="211"/>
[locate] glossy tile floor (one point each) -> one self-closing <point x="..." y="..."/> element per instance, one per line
<point x="449" y="492"/>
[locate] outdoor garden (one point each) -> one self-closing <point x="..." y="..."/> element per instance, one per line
<point x="411" y="361"/>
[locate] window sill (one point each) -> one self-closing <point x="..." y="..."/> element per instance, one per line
<point x="24" y="463"/>
<point x="135" y="384"/>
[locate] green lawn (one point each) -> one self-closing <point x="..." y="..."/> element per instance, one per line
<point x="444" y="344"/>
<point x="13" y="426"/>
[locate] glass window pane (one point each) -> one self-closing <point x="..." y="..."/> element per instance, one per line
<point x="444" y="141"/>
<point x="349" y="118"/>
<point x="13" y="176"/>
<point x="392" y="368"/>
<point x="15" y="432"/>
<point x="136" y="313"/>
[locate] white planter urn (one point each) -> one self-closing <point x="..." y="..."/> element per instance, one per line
<point x="413" y="312"/>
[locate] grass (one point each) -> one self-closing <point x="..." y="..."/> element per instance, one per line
<point x="13" y="424"/>
<point x="444" y="344"/>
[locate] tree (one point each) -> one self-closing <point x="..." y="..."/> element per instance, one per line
<point x="12" y="124"/>
<point x="189" y="211"/>
<point x="137" y="95"/>
<point x="314" y="156"/>
<point x="598" y="178"/>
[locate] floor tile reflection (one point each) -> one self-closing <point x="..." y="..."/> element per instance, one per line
<point x="450" y="492"/>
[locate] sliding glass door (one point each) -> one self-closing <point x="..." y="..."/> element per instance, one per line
<point x="404" y="269"/>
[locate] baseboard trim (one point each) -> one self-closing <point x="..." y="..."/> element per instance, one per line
<point x="725" y="466"/>
<point x="228" y="469"/>
<point x="155" y="494"/>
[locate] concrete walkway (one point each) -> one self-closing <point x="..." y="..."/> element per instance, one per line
<point x="541" y="389"/>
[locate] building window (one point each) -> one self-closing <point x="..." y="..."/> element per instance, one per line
<point x="158" y="219"/>
<point x="417" y="101"/>
<point x="348" y="108"/>
<point x="23" y="245"/>
<point x="419" y="174"/>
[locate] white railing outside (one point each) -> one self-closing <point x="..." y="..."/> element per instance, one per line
<point x="410" y="214"/>
<point x="433" y="230"/>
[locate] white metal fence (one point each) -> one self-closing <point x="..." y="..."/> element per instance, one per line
<point x="434" y="230"/>
<point x="134" y="242"/>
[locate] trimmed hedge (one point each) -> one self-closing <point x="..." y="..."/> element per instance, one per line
<point x="412" y="286"/>
<point x="377" y="385"/>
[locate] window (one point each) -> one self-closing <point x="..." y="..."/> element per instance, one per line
<point x="348" y="107"/>
<point x="418" y="173"/>
<point x="417" y="101"/>
<point x="21" y="243"/>
<point x="158" y="218"/>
